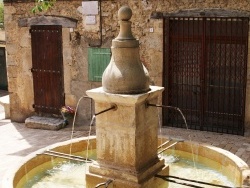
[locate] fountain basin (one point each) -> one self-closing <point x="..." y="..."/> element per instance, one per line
<point x="15" y="174"/>
<point x="233" y="166"/>
<point x="226" y="162"/>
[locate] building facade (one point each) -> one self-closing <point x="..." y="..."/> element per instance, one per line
<point x="196" y="49"/>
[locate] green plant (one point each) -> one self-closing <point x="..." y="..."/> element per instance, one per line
<point x="1" y="14"/>
<point x="43" y="5"/>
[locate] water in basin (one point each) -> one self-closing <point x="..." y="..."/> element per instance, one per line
<point x="181" y="164"/>
<point x="61" y="173"/>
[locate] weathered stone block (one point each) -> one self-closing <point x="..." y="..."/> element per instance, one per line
<point x="12" y="49"/>
<point x="127" y="136"/>
<point x="9" y="10"/>
<point x="47" y="123"/>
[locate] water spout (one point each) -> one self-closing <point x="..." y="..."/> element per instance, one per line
<point x="172" y="107"/>
<point x="113" y="107"/>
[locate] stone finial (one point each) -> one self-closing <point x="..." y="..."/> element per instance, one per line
<point x="124" y="15"/>
<point x="125" y="74"/>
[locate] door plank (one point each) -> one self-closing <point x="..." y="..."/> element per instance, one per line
<point x="47" y="66"/>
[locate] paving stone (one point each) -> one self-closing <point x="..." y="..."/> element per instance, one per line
<point x="228" y="146"/>
<point x="224" y="142"/>
<point x="46" y="123"/>
<point x="240" y="152"/>
<point x="233" y="150"/>
<point x="246" y="144"/>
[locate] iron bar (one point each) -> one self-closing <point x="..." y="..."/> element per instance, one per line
<point x="166" y="178"/>
<point x="213" y="55"/>
<point x="202" y="70"/>
<point x="196" y="76"/>
<point x="182" y="66"/>
<point x="66" y="156"/>
<point x="225" y="102"/>
<point x="69" y="155"/>
<point x="162" y="106"/>
<point x="113" y="107"/>
<point x="181" y="183"/>
<point x="60" y="156"/>
<point x="192" y="59"/>
<point x="164" y="144"/>
<point x="230" y="79"/>
<point x="234" y="75"/>
<point x="106" y="184"/>
<point x="245" y="65"/>
<point x="220" y="100"/>
<point x="167" y="147"/>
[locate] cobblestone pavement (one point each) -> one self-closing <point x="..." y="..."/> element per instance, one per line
<point x="17" y="141"/>
<point x="237" y="145"/>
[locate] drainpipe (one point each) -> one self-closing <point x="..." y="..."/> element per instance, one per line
<point x="100" y="25"/>
<point x="100" y="5"/>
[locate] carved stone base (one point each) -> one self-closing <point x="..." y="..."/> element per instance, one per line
<point x="121" y="179"/>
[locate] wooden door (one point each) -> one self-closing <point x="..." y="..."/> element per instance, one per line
<point x="205" y="72"/>
<point x="47" y="68"/>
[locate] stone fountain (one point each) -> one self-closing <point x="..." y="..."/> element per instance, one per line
<point x="126" y="137"/>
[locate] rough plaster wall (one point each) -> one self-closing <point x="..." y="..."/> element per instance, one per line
<point x="75" y="50"/>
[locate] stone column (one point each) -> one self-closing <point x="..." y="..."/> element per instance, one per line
<point x="127" y="140"/>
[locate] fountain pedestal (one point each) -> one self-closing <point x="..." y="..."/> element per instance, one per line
<point x="127" y="140"/>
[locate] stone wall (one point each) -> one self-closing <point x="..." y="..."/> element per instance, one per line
<point x="75" y="46"/>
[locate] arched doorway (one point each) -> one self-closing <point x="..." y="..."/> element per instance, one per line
<point x="47" y="60"/>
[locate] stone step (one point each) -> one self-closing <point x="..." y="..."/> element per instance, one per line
<point x="46" y="123"/>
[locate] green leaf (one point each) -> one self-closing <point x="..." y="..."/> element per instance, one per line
<point x="34" y="10"/>
<point x="43" y="5"/>
<point x="40" y="8"/>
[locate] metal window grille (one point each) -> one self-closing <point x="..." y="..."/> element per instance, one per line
<point x="205" y="72"/>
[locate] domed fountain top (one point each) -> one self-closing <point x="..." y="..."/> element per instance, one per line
<point x="125" y="74"/>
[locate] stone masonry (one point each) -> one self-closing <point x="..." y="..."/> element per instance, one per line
<point x="77" y="40"/>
